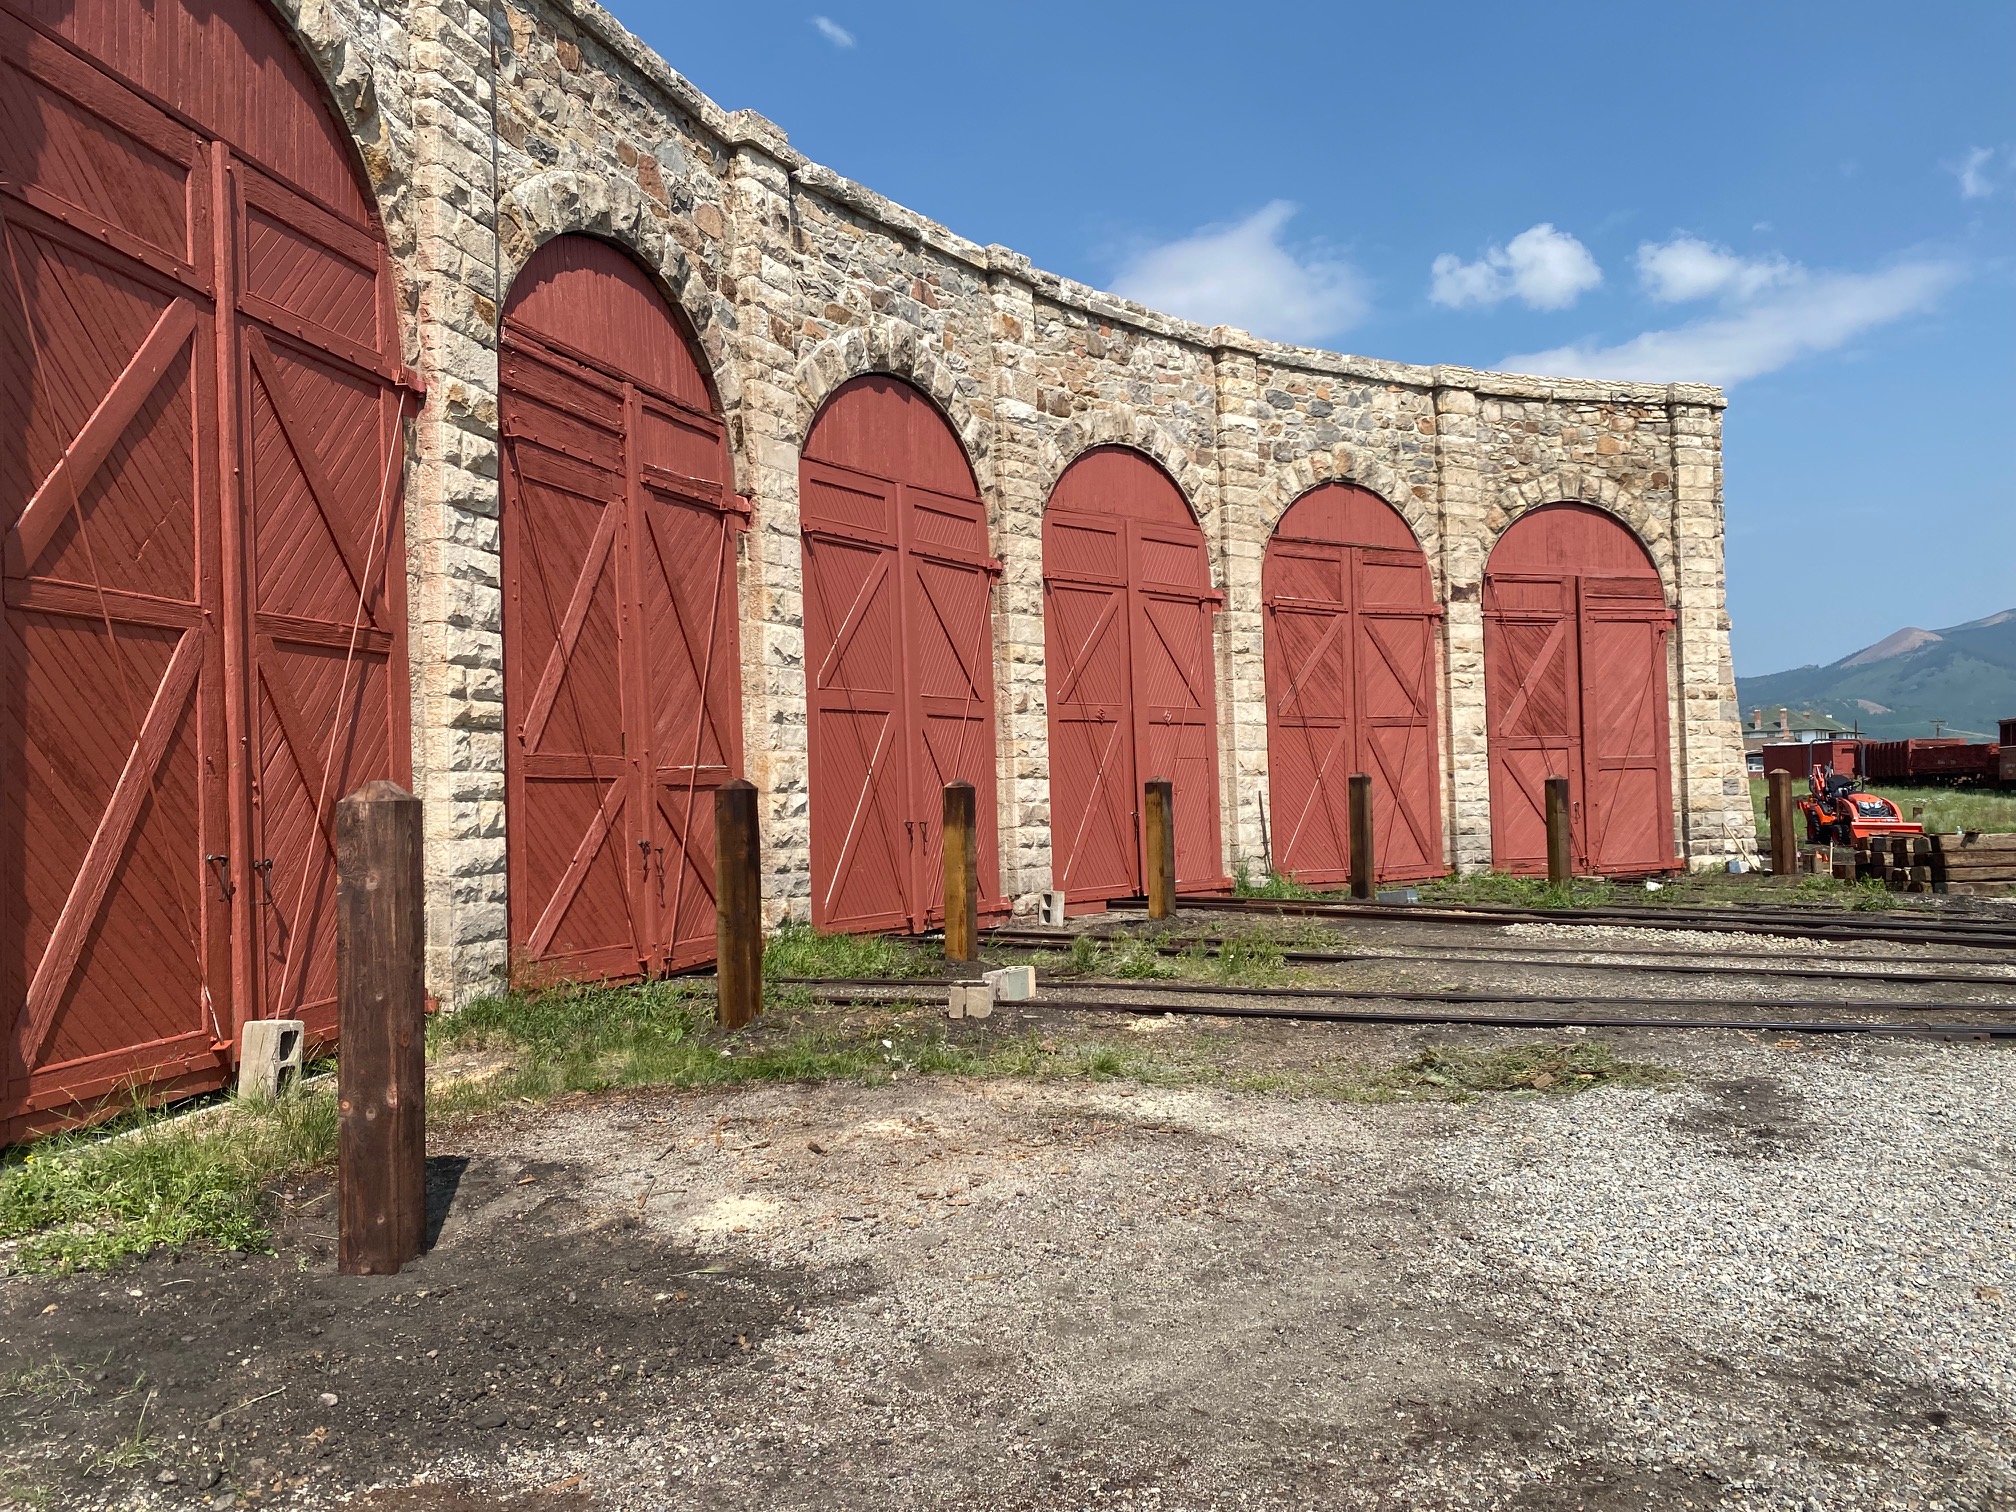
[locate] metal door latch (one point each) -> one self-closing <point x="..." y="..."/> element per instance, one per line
<point x="219" y="862"/>
<point x="264" y="867"/>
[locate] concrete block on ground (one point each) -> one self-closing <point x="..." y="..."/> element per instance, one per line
<point x="1011" y="984"/>
<point x="971" y="1000"/>
<point x="1053" y="908"/>
<point x="269" y="1057"/>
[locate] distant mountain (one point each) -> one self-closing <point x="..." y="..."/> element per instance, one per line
<point x="1965" y="675"/>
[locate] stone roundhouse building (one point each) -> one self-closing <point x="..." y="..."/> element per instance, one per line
<point x="476" y="139"/>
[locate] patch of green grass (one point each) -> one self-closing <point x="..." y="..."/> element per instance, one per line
<point x="1252" y="958"/>
<point x="1866" y="895"/>
<point x="1273" y="885"/>
<point x="85" y="1201"/>
<point x="1522" y="892"/>
<point x="1134" y="959"/>
<point x="799" y="950"/>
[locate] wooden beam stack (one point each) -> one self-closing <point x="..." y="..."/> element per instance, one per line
<point x="1903" y="863"/>
<point x="1974" y="863"/>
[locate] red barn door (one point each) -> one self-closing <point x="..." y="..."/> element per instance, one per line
<point x="899" y="655"/>
<point x="204" y="563"/>
<point x="1350" y="641"/>
<point x="1131" y="674"/>
<point x="1575" y="627"/>
<point x="622" y="675"/>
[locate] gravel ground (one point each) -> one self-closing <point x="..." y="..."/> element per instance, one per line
<point x="1783" y="1283"/>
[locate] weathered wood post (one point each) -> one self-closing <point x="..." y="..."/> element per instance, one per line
<point x="962" y="873"/>
<point x="1158" y="832"/>
<point x="1362" y="860"/>
<point x="738" y="905"/>
<point x="1779" y="810"/>
<point x="1560" y="847"/>
<point x="381" y="1073"/>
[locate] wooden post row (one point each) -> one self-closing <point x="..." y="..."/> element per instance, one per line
<point x="1158" y="830"/>
<point x="1560" y="839"/>
<point x="381" y="1076"/>
<point x="962" y="873"/>
<point x="1362" y="859"/>
<point x="738" y="905"/>
<point x="1779" y="811"/>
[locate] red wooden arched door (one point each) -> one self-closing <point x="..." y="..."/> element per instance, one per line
<point x="899" y="655"/>
<point x="1131" y="673"/>
<point x="1575" y="626"/>
<point x="204" y="616"/>
<point x="622" y="677"/>
<point x="1350" y="629"/>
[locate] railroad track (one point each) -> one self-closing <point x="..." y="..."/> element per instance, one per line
<point x="1318" y="1005"/>
<point x="1665" y="962"/>
<point x="1809" y="924"/>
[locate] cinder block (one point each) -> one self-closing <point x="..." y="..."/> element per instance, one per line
<point x="269" y="1057"/>
<point x="1011" y="984"/>
<point x="1053" y="908"/>
<point x="1399" y="895"/>
<point x="971" y="1000"/>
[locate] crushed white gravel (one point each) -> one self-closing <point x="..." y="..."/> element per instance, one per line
<point x="1784" y="1285"/>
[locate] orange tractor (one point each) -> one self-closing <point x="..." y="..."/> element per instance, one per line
<point x="1839" y="812"/>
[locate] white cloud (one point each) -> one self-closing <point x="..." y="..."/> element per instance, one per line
<point x="833" y="31"/>
<point x="1799" y="314"/>
<point x="1241" y="275"/>
<point x="1689" y="268"/>
<point x="1975" y="182"/>
<point x="1545" y="268"/>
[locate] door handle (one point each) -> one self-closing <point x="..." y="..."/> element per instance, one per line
<point x="264" y="867"/>
<point x="910" y="829"/>
<point x="644" y="855"/>
<point x="220" y="863"/>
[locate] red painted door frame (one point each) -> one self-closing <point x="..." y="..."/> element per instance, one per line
<point x="1131" y="675"/>
<point x="1365" y="678"/>
<point x="219" y="291"/>
<point x="622" y="663"/>
<point x="899" y="658"/>
<point x="1576" y="685"/>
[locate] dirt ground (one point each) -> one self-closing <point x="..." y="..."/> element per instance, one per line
<point x="1778" y="1283"/>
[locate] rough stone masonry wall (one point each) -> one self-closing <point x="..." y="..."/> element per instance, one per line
<point x="486" y="130"/>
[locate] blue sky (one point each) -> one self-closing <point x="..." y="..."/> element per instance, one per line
<point x="1810" y="204"/>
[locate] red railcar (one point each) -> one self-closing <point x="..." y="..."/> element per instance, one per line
<point x="1803" y="757"/>
<point x="1950" y="760"/>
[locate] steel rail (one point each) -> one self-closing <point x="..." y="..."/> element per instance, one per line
<point x="1613" y="912"/>
<point x="1039" y="934"/>
<point x="1429" y="995"/>
<point x="1034" y="935"/>
<point x="1736" y="924"/>
<point x="1315" y="1014"/>
<point x="1675" y="968"/>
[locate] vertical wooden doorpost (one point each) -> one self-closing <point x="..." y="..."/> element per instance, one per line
<point x="1158" y="827"/>
<point x="1560" y="842"/>
<point x="381" y="1080"/>
<point x="738" y="905"/>
<point x="1362" y="861"/>
<point x="962" y="873"/>
<point x="1784" y="843"/>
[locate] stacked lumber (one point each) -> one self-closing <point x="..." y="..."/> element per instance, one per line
<point x="1902" y="863"/>
<point x="1974" y="863"/>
